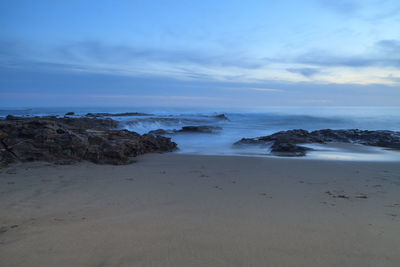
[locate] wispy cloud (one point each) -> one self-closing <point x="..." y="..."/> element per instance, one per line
<point x="96" y="51"/>
<point x="98" y="57"/>
<point x="265" y="89"/>
<point x="385" y="53"/>
<point x="306" y="72"/>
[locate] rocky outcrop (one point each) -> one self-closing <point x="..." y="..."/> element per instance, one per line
<point x="67" y="140"/>
<point x="162" y="132"/>
<point x="287" y="141"/>
<point x="199" y="129"/>
<point x="288" y="150"/>
<point x="77" y="124"/>
<point x="222" y="117"/>
<point x="187" y="129"/>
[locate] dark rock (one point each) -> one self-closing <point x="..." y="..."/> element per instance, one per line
<point x="84" y="123"/>
<point x="288" y="149"/>
<point x="66" y="140"/>
<point x="199" y="129"/>
<point x="222" y="117"/>
<point x="6" y="157"/>
<point x="250" y="141"/>
<point x="3" y="135"/>
<point x="69" y="113"/>
<point x="386" y="139"/>
<point x="11" y="117"/>
<point x="161" y="132"/>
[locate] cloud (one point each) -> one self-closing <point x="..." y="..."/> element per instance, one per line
<point x="384" y="53"/>
<point x="187" y="64"/>
<point x="265" y="89"/>
<point x="343" y="7"/>
<point x="389" y="46"/>
<point x="306" y="72"/>
<point x="395" y="79"/>
<point x="104" y="53"/>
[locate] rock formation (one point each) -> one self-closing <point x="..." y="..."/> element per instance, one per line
<point x="286" y="142"/>
<point x="67" y="140"/>
<point x="187" y="129"/>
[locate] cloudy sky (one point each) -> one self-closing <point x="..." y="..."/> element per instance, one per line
<point x="199" y="53"/>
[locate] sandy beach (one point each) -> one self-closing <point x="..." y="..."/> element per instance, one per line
<point x="187" y="210"/>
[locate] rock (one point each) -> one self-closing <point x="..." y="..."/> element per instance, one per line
<point x="199" y="129"/>
<point x="6" y="157"/>
<point x="3" y="135"/>
<point x="11" y="117"/>
<point x="222" y="117"/>
<point x="67" y="140"/>
<point x="69" y="113"/>
<point x="288" y="150"/>
<point x="83" y="123"/>
<point x="249" y="141"/>
<point x="281" y="140"/>
<point x="161" y="132"/>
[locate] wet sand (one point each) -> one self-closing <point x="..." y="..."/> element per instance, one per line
<point x="181" y="210"/>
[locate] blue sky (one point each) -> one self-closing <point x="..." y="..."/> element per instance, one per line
<point x="200" y="53"/>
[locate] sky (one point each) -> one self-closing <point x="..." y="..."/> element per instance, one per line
<point x="199" y="53"/>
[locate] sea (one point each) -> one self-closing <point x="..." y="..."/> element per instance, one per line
<point x="248" y="122"/>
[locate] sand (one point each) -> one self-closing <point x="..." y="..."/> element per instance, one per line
<point x="185" y="210"/>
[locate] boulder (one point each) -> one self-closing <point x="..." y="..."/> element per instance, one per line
<point x="222" y="117"/>
<point x="161" y="132"/>
<point x="199" y="129"/>
<point x="66" y="140"/>
<point x="289" y="150"/>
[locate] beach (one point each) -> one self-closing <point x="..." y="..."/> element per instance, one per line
<point x="196" y="210"/>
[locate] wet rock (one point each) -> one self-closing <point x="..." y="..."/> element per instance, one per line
<point x="386" y="139"/>
<point x="289" y="150"/>
<point x="11" y="118"/>
<point x="69" y="113"/>
<point x="84" y="123"/>
<point x="3" y="135"/>
<point x="67" y="140"/>
<point x="161" y="132"/>
<point x="222" y="117"/>
<point x="199" y="129"/>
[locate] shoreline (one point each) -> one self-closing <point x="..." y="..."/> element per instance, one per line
<point x="335" y="151"/>
<point x="99" y="138"/>
<point x="191" y="210"/>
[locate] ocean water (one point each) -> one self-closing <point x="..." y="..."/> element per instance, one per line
<point x="249" y="122"/>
